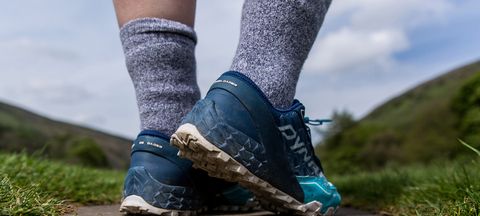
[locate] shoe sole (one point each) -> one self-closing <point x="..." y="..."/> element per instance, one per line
<point x="204" y="155"/>
<point x="134" y="204"/>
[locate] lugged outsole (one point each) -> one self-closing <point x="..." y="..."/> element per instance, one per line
<point x="134" y="204"/>
<point x="249" y="207"/>
<point x="217" y="163"/>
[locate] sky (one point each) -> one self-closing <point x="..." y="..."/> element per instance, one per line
<point x="63" y="59"/>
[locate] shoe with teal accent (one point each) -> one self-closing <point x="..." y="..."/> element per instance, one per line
<point x="235" y="134"/>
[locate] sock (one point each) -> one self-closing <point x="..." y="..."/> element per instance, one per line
<point x="160" y="59"/>
<point x="275" y="39"/>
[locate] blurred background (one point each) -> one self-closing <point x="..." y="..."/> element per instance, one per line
<point x="64" y="59"/>
<point x="400" y="79"/>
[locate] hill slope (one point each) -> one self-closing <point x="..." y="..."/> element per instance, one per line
<point x="421" y="125"/>
<point x="22" y="130"/>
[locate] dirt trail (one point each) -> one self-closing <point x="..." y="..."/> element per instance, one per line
<point x="112" y="210"/>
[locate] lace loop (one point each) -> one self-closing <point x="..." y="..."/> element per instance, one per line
<point x="316" y="122"/>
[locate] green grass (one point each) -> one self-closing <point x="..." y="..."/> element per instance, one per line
<point x="30" y="186"/>
<point x="445" y="188"/>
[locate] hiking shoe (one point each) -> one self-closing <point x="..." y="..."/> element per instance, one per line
<point x="234" y="134"/>
<point x="159" y="182"/>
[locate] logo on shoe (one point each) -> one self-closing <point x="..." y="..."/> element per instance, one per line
<point x="298" y="146"/>
<point x="148" y="143"/>
<point x="226" y="81"/>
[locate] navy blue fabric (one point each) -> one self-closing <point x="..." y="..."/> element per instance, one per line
<point x="301" y="153"/>
<point x="165" y="180"/>
<point x="140" y="182"/>
<point x="160" y="177"/>
<point x="237" y="117"/>
<point x="161" y="160"/>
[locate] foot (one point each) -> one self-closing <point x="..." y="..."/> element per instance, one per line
<point x="236" y="134"/>
<point x="158" y="182"/>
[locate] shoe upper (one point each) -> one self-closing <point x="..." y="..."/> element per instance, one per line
<point x="167" y="181"/>
<point x="306" y="165"/>
<point x="273" y="144"/>
<point x="296" y="136"/>
<point x="159" y="176"/>
<point x="236" y="117"/>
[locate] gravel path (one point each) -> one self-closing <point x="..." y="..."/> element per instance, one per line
<point x="112" y="210"/>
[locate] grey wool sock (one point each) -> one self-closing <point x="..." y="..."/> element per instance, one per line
<point x="275" y="39"/>
<point x="160" y="59"/>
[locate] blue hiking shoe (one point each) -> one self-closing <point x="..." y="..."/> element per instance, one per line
<point x="159" y="182"/>
<point x="234" y="133"/>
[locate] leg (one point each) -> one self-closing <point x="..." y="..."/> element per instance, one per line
<point x="159" y="42"/>
<point x="182" y="11"/>
<point x="275" y="39"/>
<point x="235" y="132"/>
<point x="159" y="45"/>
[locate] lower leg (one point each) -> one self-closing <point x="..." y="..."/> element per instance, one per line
<point x="159" y="45"/>
<point x="182" y="11"/>
<point x="275" y="39"/>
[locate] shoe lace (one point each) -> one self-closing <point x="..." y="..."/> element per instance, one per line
<point x="316" y="122"/>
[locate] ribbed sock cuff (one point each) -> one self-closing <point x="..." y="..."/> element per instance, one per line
<point x="143" y="25"/>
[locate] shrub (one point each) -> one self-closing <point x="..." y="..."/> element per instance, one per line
<point x="87" y="152"/>
<point x="466" y="105"/>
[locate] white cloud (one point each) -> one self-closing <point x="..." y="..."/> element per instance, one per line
<point x="376" y="14"/>
<point x="369" y="33"/>
<point x="345" y="49"/>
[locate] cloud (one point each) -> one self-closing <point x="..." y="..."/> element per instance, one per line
<point x="346" y="49"/>
<point x="374" y="14"/>
<point x="45" y="92"/>
<point x="367" y="34"/>
<point x="81" y="85"/>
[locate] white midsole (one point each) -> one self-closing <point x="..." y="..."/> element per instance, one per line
<point x="134" y="203"/>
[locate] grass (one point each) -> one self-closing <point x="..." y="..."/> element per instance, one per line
<point x="445" y="188"/>
<point x="470" y="147"/>
<point x="31" y="186"/>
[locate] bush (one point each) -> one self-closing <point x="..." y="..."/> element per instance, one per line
<point x="86" y="151"/>
<point x="466" y="105"/>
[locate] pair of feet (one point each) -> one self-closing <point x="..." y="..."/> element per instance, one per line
<point x="233" y="134"/>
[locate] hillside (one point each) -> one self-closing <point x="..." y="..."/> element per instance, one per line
<point x="421" y="125"/>
<point x="22" y="130"/>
